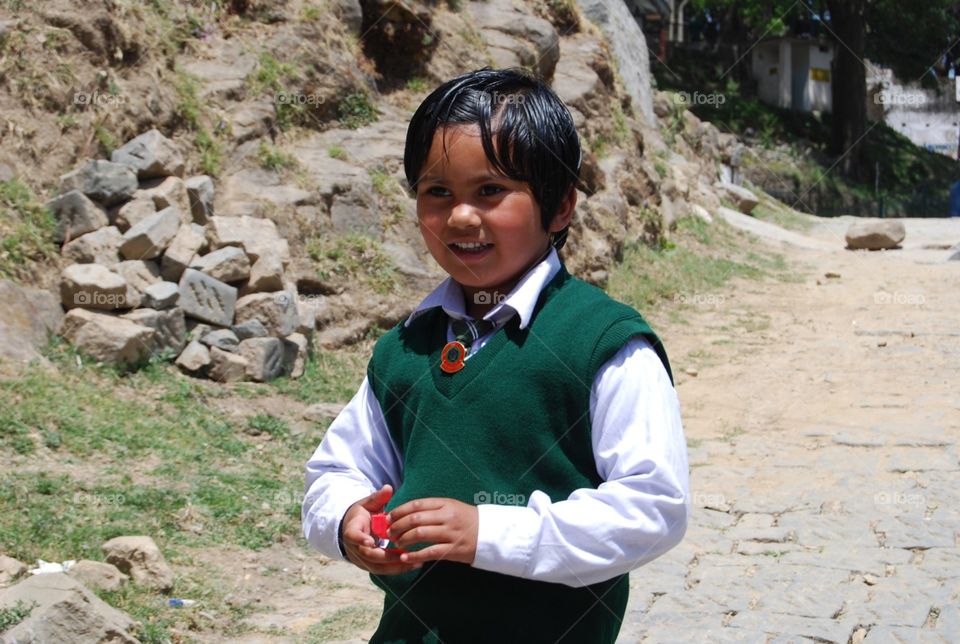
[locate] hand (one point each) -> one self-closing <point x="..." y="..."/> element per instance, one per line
<point x="361" y="547"/>
<point x="450" y="525"/>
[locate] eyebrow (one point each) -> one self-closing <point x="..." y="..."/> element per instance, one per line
<point x="475" y="178"/>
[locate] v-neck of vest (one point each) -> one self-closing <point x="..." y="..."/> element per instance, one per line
<point x="451" y="384"/>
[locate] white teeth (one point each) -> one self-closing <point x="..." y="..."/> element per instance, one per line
<point x="470" y="246"/>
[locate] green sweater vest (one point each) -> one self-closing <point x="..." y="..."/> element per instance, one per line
<point x="514" y="420"/>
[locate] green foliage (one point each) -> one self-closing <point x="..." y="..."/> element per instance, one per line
<point x="336" y="152"/>
<point x="26" y="230"/>
<point x="911" y="41"/>
<point x="268" y="424"/>
<point x="272" y="158"/>
<point x="353" y="258"/>
<point x="357" y="110"/>
<point x="13" y="615"/>
<point x="343" y="623"/>
<point x="192" y="110"/>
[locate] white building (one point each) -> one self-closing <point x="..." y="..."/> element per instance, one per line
<point x="794" y="73"/>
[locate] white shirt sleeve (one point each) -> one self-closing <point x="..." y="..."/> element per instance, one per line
<point x="355" y="458"/>
<point x="640" y="510"/>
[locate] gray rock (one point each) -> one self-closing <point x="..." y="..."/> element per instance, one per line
<point x="295" y="349"/>
<point x="251" y="120"/>
<point x="256" y="236"/>
<point x="151" y="236"/>
<point x="517" y="38"/>
<point x="319" y="412"/>
<point x="226" y="366"/>
<point x="134" y="211"/>
<point x="875" y="235"/>
<point x="250" y="329"/>
<point x="266" y="275"/>
<point x="10" y="570"/>
<point x="206" y="298"/>
<point x="228" y="264"/>
<point x="189" y="241"/>
<point x="745" y="200"/>
<point x="170" y="192"/>
<point x="276" y="311"/>
<point x="107" y="338"/>
<point x="151" y="155"/>
<point x="140" y="275"/>
<point x="194" y="358"/>
<point x="170" y="329"/>
<point x="264" y="358"/>
<point x="105" y="182"/>
<point x="64" y="611"/>
<point x="223" y="339"/>
<point x="98" y="575"/>
<point x="350" y="14"/>
<point x="161" y="295"/>
<point x="139" y="557"/>
<point x="102" y="246"/>
<point x="92" y="286"/>
<point x="76" y="215"/>
<point x="200" y="192"/>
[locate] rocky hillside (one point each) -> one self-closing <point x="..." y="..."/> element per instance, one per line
<point x="297" y="111"/>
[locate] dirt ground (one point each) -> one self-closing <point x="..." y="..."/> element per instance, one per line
<point x="822" y="417"/>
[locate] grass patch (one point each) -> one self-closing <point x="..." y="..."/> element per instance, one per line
<point x="13" y="615"/>
<point x="336" y="152"/>
<point x="343" y="624"/>
<point x="193" y="111"/>
<point x="26" y="230"/>
<point x="353" y="258"/>
<point x="271" y="157"/>
<point x="357" y="110"/>
<point x="332" y="376"/>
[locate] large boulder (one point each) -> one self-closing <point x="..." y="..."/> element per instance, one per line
<point x="108" y="338"/>
<point x="64" y="611"/>
<point x="226" y="366"/>
<point x="189" y="241"/>
<point x="27" y="319"/>
<point x="170" y="328"/>
<point x="139" y="557"/>
<point x="276" y="311"/>
<point x="256" y="236"/>
<point x="200" y="192"/>
<point x="744" y="199"/>
<point x="134" y="211"/>
<point x="264" y="357"/>
<point x="169" y="192"/>
<point x="11" y="570"/>
<point x="206" y="298"/>
<point x="227" y="264"/>
<point x="875" y="235"/>
<point x="93" y="286"/>
<point x="76" y="215"/>
<point x="149" y="237"/>
<point x="515" y="38"/>
<point x="98" y="575"/>
<point x="151" y="155"/>
<point x="194" y="358"/>
<point x="105" y="182"/>
<point x="101" y="246"/>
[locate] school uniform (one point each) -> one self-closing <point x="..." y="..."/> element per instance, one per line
<point x="562" y="426"/>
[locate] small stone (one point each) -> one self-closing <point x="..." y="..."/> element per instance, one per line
<point x="76" y="215"/>
<point x="170" y="329"/>
<point x="102" y="246"/>
<point x="223" y="339"/>
<point x="295" y="348"/>
<point x="151" y="155"/>
<point x="744" y="199"/>
<point x="10" y="569"/>
<point x="200" y="192"/>
<point x="206" y="298"/>
<point x="169" y="192"/>
<point x="140" y="274"/>
<point x="161" y="295"/>
<point x="266" y="275"/>
<point x="264" y="358"/>
<point x="194" y="357"/>
<point x="139" y="557"/>
<point x="870" y="580"/>
<point x="250" y="329"/>
<point x="133" y="212"/>
<point x="107" y="338"/>
<point x="189" y="241"/>
<point x="98" y="575"/>
<point x="92" y="286"/>
<point x="226" y="366"/>
<point x="319" y="412"/>
<point x="229" y="264"/>
<point x="151" y="236"/>
<point x="105" y="182"/>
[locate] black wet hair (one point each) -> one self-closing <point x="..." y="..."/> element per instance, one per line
<point x="526" y="130"/>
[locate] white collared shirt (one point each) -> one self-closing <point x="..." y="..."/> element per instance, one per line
<point x="639" y="512"/>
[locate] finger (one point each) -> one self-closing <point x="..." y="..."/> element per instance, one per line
<point x="417" y="505"/>
<point x="378" y="556"/>
<point x="376" y="501"/>
<point x="358" y="532"/>
<point x="421" y="534"/>
<point x="431" y="553"/>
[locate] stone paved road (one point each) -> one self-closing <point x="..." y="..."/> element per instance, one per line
<point x="823" y="423"/>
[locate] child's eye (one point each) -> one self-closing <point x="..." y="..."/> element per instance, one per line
<point x="490" y="190"/>
<point x="437" y="191"/>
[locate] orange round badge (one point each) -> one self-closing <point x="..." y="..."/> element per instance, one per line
<point x="451" y="360"/>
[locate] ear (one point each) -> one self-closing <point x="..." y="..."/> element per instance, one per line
<point x="565" y="213"/>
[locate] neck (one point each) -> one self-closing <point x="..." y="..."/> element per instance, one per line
<point x="479" y="300"/>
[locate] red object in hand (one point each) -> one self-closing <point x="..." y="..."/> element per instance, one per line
<point x="378" y="526"/>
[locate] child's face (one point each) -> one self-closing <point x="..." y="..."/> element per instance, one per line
<point x="482" y="228"/>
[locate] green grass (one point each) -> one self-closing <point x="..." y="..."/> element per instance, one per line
<point x="343" y="624"/>
<point x="194" y="112"/>
<point x="357" y="110"/>
<point x="26" y="230"/>
<point x="271" y="157"/>
<point x="331" y="376"/>
<point x="337" y="152"/>
<point x="353" y="258"/>
<point x="13" y="615"/>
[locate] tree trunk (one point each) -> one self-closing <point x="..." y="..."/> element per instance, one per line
<point x="849" y="87"/>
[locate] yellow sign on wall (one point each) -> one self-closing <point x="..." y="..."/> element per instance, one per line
<point x="820" y="75"/>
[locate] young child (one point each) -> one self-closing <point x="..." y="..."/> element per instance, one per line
<point x="520" y="428"/>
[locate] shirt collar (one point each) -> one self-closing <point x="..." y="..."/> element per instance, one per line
<point x="519" y="301"/>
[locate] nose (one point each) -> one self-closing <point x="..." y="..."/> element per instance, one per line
<point x="463" y="215"/>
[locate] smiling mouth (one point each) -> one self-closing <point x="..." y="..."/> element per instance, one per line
<point x="469" y="247"/>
